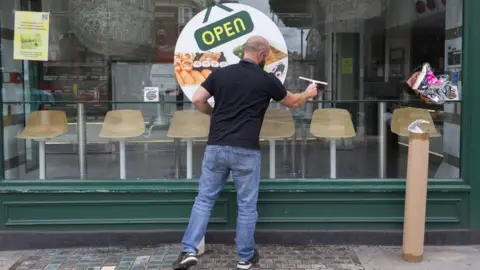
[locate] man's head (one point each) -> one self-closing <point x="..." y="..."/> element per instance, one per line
<point x="257" y="49"/>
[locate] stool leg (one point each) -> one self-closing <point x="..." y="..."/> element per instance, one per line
<point x="41" y="159"/>
<point x="333" y="159"/>
<point x="272" y="159"/>
<point x="292" y="153"/>
<point x="177" y="158"/>
<point x="123" y="173"/>
<point x="303" y="151"/>
<point x="189" y="158"/>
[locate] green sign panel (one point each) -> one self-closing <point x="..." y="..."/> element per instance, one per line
<point x="223" y="31"/>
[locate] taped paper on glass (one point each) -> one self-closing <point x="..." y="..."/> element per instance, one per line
<point x="416" y="126"/>
<point x="432" y="89"/>
<point x="31" y="36"/>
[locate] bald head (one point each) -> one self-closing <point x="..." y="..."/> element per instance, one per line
<point x="256" y="44"/>
<point x="257" y="49"/>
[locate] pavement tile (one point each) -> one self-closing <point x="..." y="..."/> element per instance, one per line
<point x="220" y="257"/>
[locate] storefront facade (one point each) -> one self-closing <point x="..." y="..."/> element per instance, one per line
<point x="103" y="54"/>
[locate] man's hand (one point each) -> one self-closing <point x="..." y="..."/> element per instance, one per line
<point x="312" y="90"/>
<point x="297" y="100"/>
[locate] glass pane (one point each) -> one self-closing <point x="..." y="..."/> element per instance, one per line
<point x="107" y="55"/>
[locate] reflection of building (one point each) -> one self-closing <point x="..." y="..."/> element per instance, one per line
<point x="170" y="18"/>
<point x="293" y="14"/>
<point x="377" y="40"/>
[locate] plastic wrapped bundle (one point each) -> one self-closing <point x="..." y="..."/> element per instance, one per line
<point x="113" y="27"/>
<point x="433" y="89"/>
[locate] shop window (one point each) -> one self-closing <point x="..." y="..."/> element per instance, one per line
<point x="108" y="53"/>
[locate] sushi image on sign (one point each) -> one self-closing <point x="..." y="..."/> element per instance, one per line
<point x="215" y="38"/>
<point x="194" y="68"/>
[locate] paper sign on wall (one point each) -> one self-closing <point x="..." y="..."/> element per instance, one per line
<point x="151" y="94"/>
<point x="347" y="65"/>
<point x="31" y="35"/>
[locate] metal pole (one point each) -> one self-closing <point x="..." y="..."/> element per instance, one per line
<point x="382" y="139"/>
<point x="272" y="159"/>
<point x="333" y="159"/>
<point x="177" y="158"/>
<point x="81" y="136"/>
<point x="160" y="109"/>
<point x="303" y="151"/>
<point x="292" y="153"/>
<point x="41" y="160"/>
<point x="189" y="158"/>
<point x="361" y="105"/>
<point x="123" y="171"/>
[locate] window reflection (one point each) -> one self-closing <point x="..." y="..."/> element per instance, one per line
<point x="365" y="50"/>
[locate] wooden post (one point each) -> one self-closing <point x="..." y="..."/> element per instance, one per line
<point x="416" y="197"/>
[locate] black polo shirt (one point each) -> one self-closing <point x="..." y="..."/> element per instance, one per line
<point x="242" y="94"/>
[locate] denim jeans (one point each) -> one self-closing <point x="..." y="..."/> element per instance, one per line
<point x="218" y="162"/>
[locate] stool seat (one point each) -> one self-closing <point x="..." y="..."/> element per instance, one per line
<point x="277" y="124"/>
<point x="43" y="125"/>
<point x="332" y="124"/>
<point x="121" y="124"/>
<point x="189" y="125"/>
<point x="403" y="117"/>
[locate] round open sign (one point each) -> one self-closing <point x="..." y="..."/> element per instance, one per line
<point x="214" y="38"/>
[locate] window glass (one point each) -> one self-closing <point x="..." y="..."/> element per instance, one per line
<point x="106" y="55"/>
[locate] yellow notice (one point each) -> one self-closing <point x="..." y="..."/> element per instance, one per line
<point x="31" y="36"/>
<point x="347" y="65"/>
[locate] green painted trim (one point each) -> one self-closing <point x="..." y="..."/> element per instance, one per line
<point x="470" y="109"/>
<point x="277" y="185"/>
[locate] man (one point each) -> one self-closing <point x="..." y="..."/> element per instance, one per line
<point x="242" y="94"/>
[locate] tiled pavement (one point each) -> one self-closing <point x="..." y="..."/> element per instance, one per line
<point x="221" y="257"/>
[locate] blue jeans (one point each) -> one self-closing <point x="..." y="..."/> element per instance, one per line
<point x="218" y="161"/>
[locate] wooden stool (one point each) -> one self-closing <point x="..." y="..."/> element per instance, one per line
<point x="120" y="125"/>
<point x="278" y="124"/>
<point x="332" y="124"/>
<point x="189" y="125"/>
<point x="42" y="126"/>
<point x="417" y="178"/>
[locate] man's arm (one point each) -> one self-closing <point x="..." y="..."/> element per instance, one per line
<point x="296" y="100"/>
<point x="200" y="101"/>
